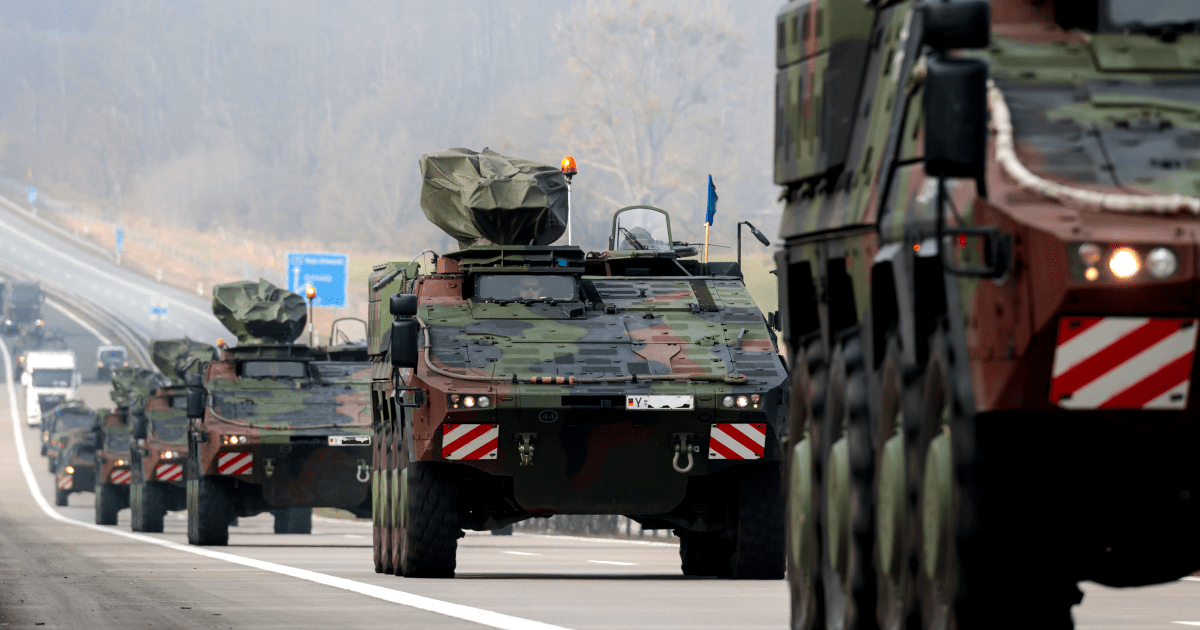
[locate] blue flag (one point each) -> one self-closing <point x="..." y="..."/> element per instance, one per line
<point x="712" y="202"/>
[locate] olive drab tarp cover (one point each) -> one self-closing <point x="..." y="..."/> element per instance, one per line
<point x="488" y="199"/>
<point x="177" y="357"/>
<point x="130" y="383"/>
<point x="259" y="312"/>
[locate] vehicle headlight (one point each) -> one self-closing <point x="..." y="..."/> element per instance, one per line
<point x="1089" y="254"/>
<point x="727" y="401"/>
<point x="483" y="401"/>
<point x="170" y="455"/>
<point x="468" y="401"/>
<point x="1124" y="263"/>
<point x="230" y="440"/>
<point x="70" y="470"/>
<point x="120" y="462"/>
<point x="742" y="401"/>
<point x="1162" y="263"/>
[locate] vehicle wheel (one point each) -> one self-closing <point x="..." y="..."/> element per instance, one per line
<point x="136" y="488"/>
<point x="108" y="504"/>
<point x="293" y="521"/>
<point x="209" y="507"/>
<point x="60" y="497"/>
<point x="378" y="509"/>
<point x="848" y="528"/>
<point x="394" y="488"/>
<point x="154" y="506"/>
<point x="430" y="530"/>
<point x="507" y="530"/>
<point x="704" y="554"/>
<point x="52" y="464"/>
<point x="43" y="449"/>
<point x="803" y="488"/>
<point x="893" y="439"/>
<point x="758" y="545"/>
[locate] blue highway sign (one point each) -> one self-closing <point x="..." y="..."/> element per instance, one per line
<point x="327" y="273"/>
<point x="32" y="195"/>
<point x="120" y="240"/>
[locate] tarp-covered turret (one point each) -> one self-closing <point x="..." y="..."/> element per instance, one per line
<point x="177" y="357"/>
<point x="486" y="198"/>
<point x="131" y="383"/>
<point x="259" y="312"/>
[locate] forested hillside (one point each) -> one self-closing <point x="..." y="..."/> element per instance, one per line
<point x="306" y="117"/>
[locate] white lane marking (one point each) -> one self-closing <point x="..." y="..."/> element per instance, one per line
<point x="82" y="324"/>
<point x="620" y="541"/>
<point x="457" y="611"/>
<point x="1187" y="623"/>
<point x="1190" y="579"/>
<point x="353" y="536"/>
<point x="623" y="564"/>
<point x="521" y="553"/>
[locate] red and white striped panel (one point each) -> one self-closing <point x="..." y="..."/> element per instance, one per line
<point x="235" y="463"/>
<point x="470" y="441"/>
<point x="737" y="441"/>
<point x="121" y="477"/>
<point x="66" y="482"/>
<point x="169" y="472"/>
<point x="1123" y="362"/>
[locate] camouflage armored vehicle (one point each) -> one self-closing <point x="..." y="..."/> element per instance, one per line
<point x="988" y="294"/>
<point x="159" y="481"/>
<point x="22" y="303"/>
<point x="276" y="426"/>
<point x="518" y="379"/>
<point x="72" y="449"/>
<point x="114" y="439"/>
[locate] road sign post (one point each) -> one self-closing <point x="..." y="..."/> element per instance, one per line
<point x="327" y="273"/>
<point x="120" y="244"/>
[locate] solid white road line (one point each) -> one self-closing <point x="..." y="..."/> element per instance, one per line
<point x="457" y="611"/>
<point x="521" y="553"/>
<point x="622" y="564"/>
<point x="619" y="541"/>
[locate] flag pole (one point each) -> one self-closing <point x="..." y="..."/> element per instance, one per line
<point x="706" y="226"/>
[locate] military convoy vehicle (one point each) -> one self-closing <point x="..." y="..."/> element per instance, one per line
<point x="22" y="303"/>
<point x="71" y="449"/>
<point x="517" y="379"/>
<point x="159" y="481"/>
<point x="109" y="358"/>
<point x="113" y="436"/>
<point x="275" y="426"/>
<point x="988" y="297"/>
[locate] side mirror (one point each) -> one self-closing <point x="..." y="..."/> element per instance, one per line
<point x="404" y="343"/>
<point x="403" y="305"/>
<point x="957" y="24"/>
<point x="195" y="402"/>
<point x="956" y="98"/>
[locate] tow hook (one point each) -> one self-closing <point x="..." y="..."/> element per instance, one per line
<point x="525" y="442"/>
<point x="364" y="472"/>
<point x="268" y="467"/>
<point x="684" y="444"/>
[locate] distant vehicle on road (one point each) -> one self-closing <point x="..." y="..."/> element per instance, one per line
<point x="268" y="418"/>
<point x="72" y="449"/>
<point x="49" y="379"/>
<point x="108" y="358"/>
<point x="22" y="303"/>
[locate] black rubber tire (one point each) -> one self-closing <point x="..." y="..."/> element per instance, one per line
<point x="758" y="550"/>
<point x="154" y="506"/>
<point x="43" y="449"/>
<point x="704" y="554"/>
<point x="293" y="520"/>
<point x="899" y="408"/>
<point x="136" y="489"/>
<point x="378" y="507"/>
<point x="848" y="580"/>
<point x="209" y="507"/>
<point x="52" y="464"/>
<point x="806" y="405"/>
<point x="60" y="497"/>
<point x="429" y="539"/>
<point x="507" y="530"/>
<point x="108" y="504"/>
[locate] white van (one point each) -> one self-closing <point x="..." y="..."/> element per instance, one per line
<point x="50" y="378"/>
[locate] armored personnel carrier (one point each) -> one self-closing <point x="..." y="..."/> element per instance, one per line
<point x="988" y="293"/>
<point x="71" y="449"/>
<point x="22" y="303"/>
<point x="518" y="379"/>
<point x="159" y="481"/>
<point x="275" y="426"/>
<point x="113" y="435"/>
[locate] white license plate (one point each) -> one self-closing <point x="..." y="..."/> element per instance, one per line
<point x="660" y="403"/>
<point x="349" y="440"/>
